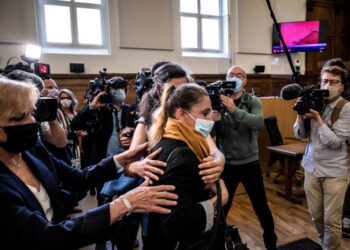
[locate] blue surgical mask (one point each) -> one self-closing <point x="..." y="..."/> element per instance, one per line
<point x="118" y="96"/>
<point x="202" y="126"/>
<point x="238" y="83"/>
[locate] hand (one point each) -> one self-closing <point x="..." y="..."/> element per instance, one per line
<point x="151" y="199"/>
<point x="124" y="140"/>
<point x="216" y="116"/>
<point x="211" y="169"/>
<point x="81" y="133"/>
<point x="224" y="192"/>
<point x="66" y="131"/>
<point x="96" y="103"/>
<point x="228" y="103"/>
<point x="313" y="114"/>
<point x="147" y="168"/>
<point x="132" y="155"/>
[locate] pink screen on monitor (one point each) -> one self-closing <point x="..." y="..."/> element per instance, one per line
<point x="300" y="33"/>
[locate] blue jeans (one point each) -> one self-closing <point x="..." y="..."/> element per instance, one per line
<point x="251" y="178"/>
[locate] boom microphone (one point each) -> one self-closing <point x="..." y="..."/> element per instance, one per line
<point x="291" y="91"/>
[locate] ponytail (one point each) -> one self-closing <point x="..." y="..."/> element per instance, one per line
<point x="159" y="119"/>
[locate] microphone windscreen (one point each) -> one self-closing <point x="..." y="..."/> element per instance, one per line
<point x="22" y="76"/>
<point x="291" y="91"/>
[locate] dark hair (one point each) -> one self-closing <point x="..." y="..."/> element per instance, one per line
<point x="156" y="65"/>
<point x="184" y="97"/>
<point x="334" y="62"/>
<point x="151" y="101"/>
<point x="118" y="82"/>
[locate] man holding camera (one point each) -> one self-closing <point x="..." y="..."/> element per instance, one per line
<point x="239" y="125"/>
<point x="326" y="160"/>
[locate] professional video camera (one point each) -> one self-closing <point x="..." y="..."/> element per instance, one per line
<point x="143" y="83"/>
<point x="216" y="89"/>
<point x="311" y="98"/>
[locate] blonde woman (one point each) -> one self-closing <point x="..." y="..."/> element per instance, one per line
<point x="181" y="126"/>
<point x="31" y="215"/>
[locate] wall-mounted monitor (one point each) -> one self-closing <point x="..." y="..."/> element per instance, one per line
<point x="301" y="36"/>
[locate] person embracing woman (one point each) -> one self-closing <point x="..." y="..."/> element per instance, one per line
<point x="180" y="126"/>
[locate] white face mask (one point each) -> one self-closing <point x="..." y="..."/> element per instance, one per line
<point x="333" y="91"/>
<point x="66" y="103"/>
<point x="202" y="126"/>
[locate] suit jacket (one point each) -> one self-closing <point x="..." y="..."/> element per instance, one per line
<point x="23" y="224"/>
<point x="187" y="220"/>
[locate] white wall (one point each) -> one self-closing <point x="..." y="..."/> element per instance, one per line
<point x="250" y="31"/>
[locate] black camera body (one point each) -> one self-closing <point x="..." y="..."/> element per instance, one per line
<point x="218" y="88"/>
<point x="144" y="82"/>
<point x="46" y="109"/>
<point x="311" y="98"/>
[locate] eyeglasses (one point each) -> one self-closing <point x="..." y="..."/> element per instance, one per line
<point x="331" y="82"/>
<point x="239" y="76"/>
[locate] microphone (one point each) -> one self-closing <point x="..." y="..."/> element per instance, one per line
<point x="23" y="76"/>
<point x="291" y="91"/>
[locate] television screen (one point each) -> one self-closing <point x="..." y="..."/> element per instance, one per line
<point x="301" y="36"/>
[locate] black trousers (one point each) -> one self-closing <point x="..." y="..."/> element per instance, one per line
<point x="251" y="178"/>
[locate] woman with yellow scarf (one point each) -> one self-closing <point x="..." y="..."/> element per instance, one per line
<point x="180" y="127"/>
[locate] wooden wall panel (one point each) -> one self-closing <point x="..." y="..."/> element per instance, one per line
<point x="263" y="84"/>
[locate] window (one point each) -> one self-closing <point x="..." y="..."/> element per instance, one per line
<point x="73" y="26"/>
<point x="203" y="25"/>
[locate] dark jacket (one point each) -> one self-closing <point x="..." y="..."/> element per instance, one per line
<point x="23" y="224"/>
<point x="187" y="220"/>
<point x="99" y="124"/>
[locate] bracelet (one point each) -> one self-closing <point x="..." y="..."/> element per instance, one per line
<point x="126" y="203"/>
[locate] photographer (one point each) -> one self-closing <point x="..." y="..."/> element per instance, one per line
<point x="325" y="160"/>
<point x="240" y="125"/>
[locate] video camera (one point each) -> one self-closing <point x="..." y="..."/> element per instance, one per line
<point x="100" y="84"/>
<point x="143" y="83"/>
<point x="216" y="89"/>
<point x="311" y="98"/>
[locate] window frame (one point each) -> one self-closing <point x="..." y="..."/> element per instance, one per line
<point x="74" y="47"/>
<point x="199" y="18"/>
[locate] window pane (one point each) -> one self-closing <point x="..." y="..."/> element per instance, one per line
<point x="189" y="32"/>
<point x="88" y="1"/>
<point x="89" y="26"/>
<point x="188" y="6"/>
<point x="210" y="34"/>
<point x="58" y="24"/>
<point x="210" y="7"/>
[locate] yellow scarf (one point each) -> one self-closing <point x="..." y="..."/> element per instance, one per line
<point x="179" y="130"/>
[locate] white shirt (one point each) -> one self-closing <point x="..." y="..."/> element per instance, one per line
<point x="326" y="151"/>
<point x="44" y="200"/>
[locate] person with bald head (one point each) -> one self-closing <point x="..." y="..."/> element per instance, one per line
<point x="240" y="122"/>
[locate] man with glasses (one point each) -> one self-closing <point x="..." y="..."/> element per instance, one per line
<point x="239" y="125"/>
<point x="326" y="161"/>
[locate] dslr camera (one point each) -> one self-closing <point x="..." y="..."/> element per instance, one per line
<point x="143" y="83"/>
<point x="216" y="89"/>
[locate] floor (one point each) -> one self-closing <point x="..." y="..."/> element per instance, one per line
<point x="292" y="221"/>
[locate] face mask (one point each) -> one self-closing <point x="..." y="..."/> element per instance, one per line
<point x="238" y="83"/>
<point x="202" y="126"/>
<point x="66" y="103"/>
<point x="53" y="93"/>
<point x="20" y="137"/>
<point x="333" y="91"/>
<point x="118" y="96"/>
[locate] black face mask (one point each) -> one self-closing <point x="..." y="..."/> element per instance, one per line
<point x="20" y="137"/>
